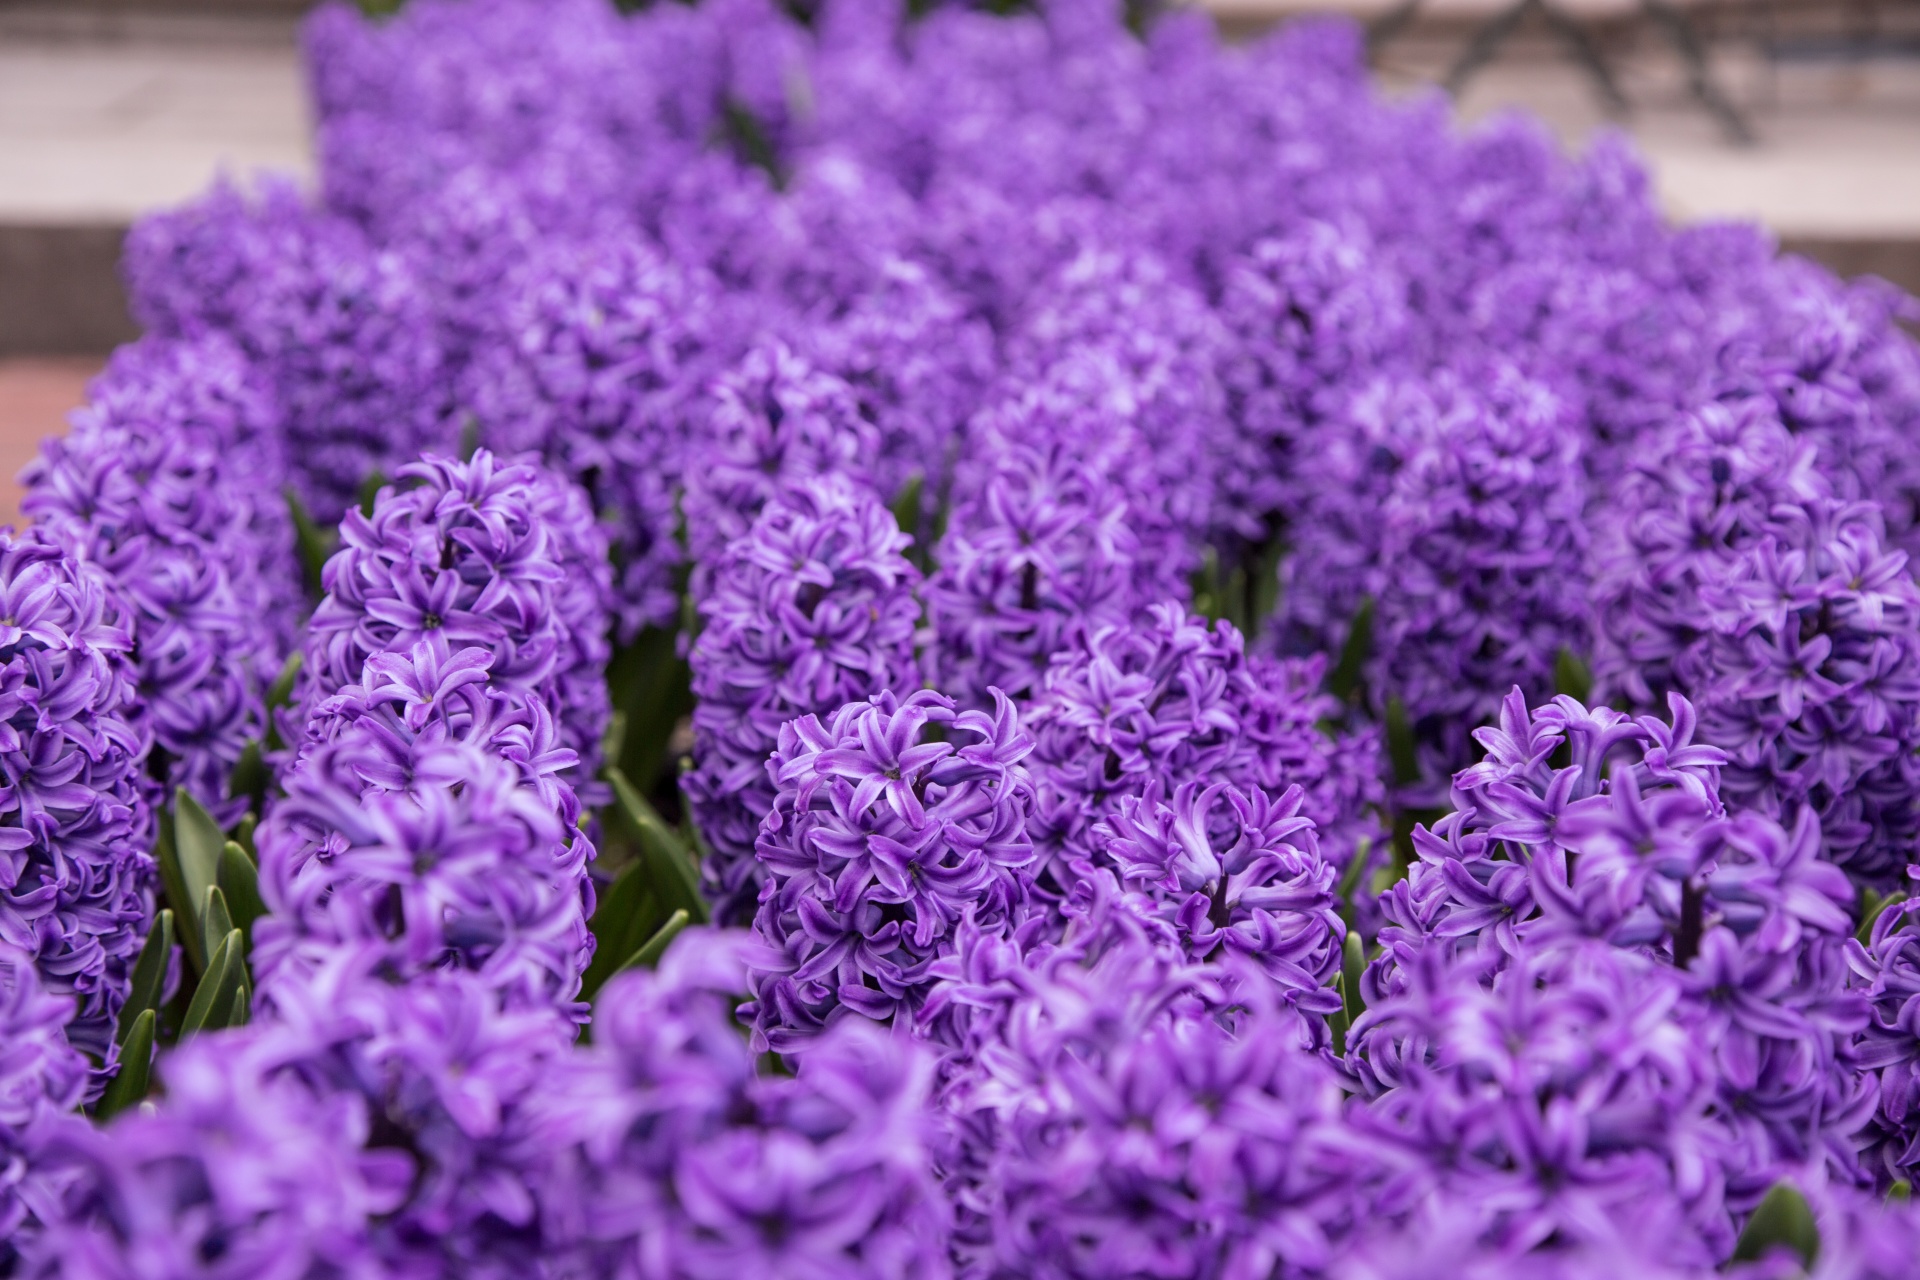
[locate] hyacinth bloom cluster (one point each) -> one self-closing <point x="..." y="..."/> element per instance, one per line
<point x="1458" y="510"/>
<point x="42" y="1078"/>
<point x="169" y="483"/>
<point x="1262" y="891"/>
<point x="1169" y="701"/>
<point x="674" y="1157"/>
<point x="1737" y="577"/>
<point x="488" y="553"/>
<point x="812" y="609"/>
<point x="1629" y="845"/>
<point x="1108" y="1112"/>
<point x="773" y="419"/>
<point x="918" y="365"/>
<point x="433" y="843"/>
<point x="341" y="329"/>
<point x="1566" y="1099"/>
<point x="76" y="879"/>
<point x="882" y="842"/>
<point x="1115" y="332"/>
<point x="1886" y="968"/>
<point x="596" y="365"/>
<point x="1055" y="529"/>
<point x="921" y="376"/>
<point x="1313" y="315"/>
<point x="367" y="1129"/>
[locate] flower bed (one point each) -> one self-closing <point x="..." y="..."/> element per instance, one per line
<point x="852" y="643"/>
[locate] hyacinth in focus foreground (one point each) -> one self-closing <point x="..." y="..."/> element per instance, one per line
<point x="917" y="643"/>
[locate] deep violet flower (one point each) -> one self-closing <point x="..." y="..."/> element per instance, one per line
<point x="882" y="840"/>
<point x="811" y="609"/>
<point x="170" y="482"/>
<point x="1056" y="530"/>
<point x="772" y="418"/>
<point x="341" y="329"/>
<point x="431" y="851"/>
<point x="1167" y="700"/>
<point x="1750" y="920"/>
<point x="1107" y="1109"/>
<point x="597" y="365"/>
<point x="1734" y="576"/>
<point x="76" y="880"/>
<point x="1263" y="892"/>
<point x="497" y="554"/>
<point x="1458" y="509"/>
<point x="42" y="1080"/>
<point x="675" y="1157"/>
<point x="367" y="1128"/>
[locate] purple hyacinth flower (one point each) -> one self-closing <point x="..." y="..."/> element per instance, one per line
<point x="811" y="609"/>
<point x="880" y="843"/>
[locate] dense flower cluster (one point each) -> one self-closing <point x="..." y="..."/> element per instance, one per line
<point x="1170" y="701"/>
<point x="1737" y="577"/>
<point x="340" y="328"/>
<point x="677" y="1158"/>
<point x="812" y="609"/>
<point x="1455" y="506"/>
<point x="1047" y="541"/>
<point x="880" y="844"/>
<point x="41" y="1077"/>
<point x="595" y="365"/>
<point x="1126" y="504"/>
<point x="76" y="879"/>
<point x="1629" y="846"/>
<point x="169" y="482"/>
<point x="503" y="556"/>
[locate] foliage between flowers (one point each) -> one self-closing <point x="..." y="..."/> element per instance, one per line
<point x="861" y="640"/>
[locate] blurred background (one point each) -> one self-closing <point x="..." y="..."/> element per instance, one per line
<point x="1802" y="114"/>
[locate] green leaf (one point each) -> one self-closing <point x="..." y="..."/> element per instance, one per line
<point x="280" y="692"/>
<point x="907" y="503"/>
<point x="1571" y="675"/>
<point x="1204" y="584"/>
<point x="1350" y="878"/>
<point x="469" y="436"/>
<point x="370" y="488"/>
<point x="216" y="922"/>
<point x="185" y="907"/>
<point x="671" y="873"/>
<point x="217" y="985"/>
<point x="1875" y="905"/>
<point x="243" y="834"/>
<point x="149" y="974"/>
<point x="1783" y="1218"/>
<point x="614" y="740"/>
<point x="240" y="882"/>
<point x="198" y="840"/>
<point x="250" y="776"/>
<point x="314" y="543"/>
<point x="1344" y="681"/>
<point x="626" y="915"/>
<point x="240" y="1011"/>
<point x="649" y="955"/>
<point x="1339" y="1022"/>
<point x="132" y="1082"/>
<point x="1400" y="749"/>
<point x="749" y="139"/>
<point x="1353" y="962"/>
<point x="649" y="685"/>
<point x="1263" y="585"/>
